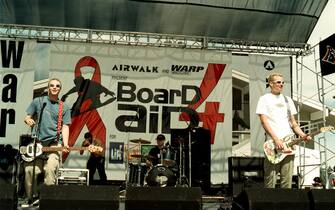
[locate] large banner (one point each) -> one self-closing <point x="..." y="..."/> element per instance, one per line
<point x="16" y="78"/>
<point x="124" y="93"/>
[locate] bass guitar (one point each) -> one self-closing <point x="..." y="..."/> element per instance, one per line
<point x="27" y="152"/>
<point x="276" y="156"/>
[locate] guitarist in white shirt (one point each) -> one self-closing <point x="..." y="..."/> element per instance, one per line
<point x="52" y="129"/>
<point x="276" y="113"/>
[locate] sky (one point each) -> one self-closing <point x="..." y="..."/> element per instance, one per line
<point x="323" y="29"/>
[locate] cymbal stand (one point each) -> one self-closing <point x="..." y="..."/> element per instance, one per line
<point x="161" y="156"/>
<point x="127" y="153"/>
<point x="182" y="180"/>
<point x="139" y="168"/>
<point x="189" y="157"/>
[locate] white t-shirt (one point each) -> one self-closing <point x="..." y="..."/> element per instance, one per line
<point x="275" y="108"/>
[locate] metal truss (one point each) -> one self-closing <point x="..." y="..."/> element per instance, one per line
<point x="42" y="33"/>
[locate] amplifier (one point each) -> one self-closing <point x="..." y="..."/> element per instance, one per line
<point x="72" y="176"/>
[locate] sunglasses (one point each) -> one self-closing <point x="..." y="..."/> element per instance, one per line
<point x="279" y="82"/>
<point x="52" y="85"/>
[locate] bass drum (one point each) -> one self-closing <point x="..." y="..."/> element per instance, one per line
<point x="161" y="176"/>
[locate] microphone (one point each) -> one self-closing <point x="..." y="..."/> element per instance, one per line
<point x="44" y="92"/>
<point x="44" y="104"/>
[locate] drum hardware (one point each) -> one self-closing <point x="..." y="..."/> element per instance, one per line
<point x="139" y="170"/>
<point x="167" y="156"/>
<point x="182" y="177"/>
<point x="132" y="119"/>
<point x="140" y="141"/>
<point x="136" y="174"/>
<point x="182" y="180"/>
<point x="138" y="156"/>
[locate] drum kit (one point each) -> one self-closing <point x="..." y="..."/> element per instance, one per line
<point x="168" y="172"/>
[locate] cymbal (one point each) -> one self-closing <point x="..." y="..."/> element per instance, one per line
<point x="140" y="141"/>
<point x="137" y="156"/>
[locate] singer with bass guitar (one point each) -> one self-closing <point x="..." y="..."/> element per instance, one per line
<point x="49" y="119"/>
<point x="276" y="113"/>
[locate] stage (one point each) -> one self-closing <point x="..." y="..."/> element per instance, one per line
<point x="173" y="198"/>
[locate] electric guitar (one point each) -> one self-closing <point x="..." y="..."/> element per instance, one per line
<point x="27" y="152"/>
<point x="276" y="156"/>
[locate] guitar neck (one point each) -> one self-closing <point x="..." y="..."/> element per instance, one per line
<point x="55" y="149"/>
<point x="298" y="140"/>
<point x="295" y="141"/>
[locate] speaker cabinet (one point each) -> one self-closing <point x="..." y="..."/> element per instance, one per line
<point x="81" y="197"/>
<point x="8" y="197"/>
<point x="244" y="173"/>
<point x="322" y="199"/>
<point x="166" y="198"/>
<point x="272" y="199"/>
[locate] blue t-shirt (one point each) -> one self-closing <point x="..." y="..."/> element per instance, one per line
<point x="46" y="128"/>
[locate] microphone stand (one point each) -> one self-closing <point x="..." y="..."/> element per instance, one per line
<point x="37" y="131"/>
<point x="190" y="156"/>
<point x="182" y="157"/>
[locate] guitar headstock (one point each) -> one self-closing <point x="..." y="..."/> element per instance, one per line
<point x="327" y="128"/>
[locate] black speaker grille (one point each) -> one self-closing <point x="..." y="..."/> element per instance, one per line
<point x="8" y="196"/>
<point x="79" y="197"/>
<point x="168" y="198"/>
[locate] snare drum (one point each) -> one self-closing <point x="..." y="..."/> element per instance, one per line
<point x="161" y="176"/>
<point x="136" y="174"/>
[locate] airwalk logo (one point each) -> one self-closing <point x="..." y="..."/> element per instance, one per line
<point x="135" y="68"/>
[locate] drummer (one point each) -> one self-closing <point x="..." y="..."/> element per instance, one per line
<point x="154" y="155"/>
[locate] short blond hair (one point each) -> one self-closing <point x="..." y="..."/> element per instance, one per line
<point x="271" y="76"/>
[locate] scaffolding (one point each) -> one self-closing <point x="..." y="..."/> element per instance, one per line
<point x="43" y="33"/>
<point x="324" y="86"/>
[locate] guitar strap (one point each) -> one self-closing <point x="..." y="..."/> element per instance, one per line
<point x="59" y="122"/>
<point x="288" y="110"/>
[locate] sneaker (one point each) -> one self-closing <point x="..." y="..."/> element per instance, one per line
<point x="36" y="202"/>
